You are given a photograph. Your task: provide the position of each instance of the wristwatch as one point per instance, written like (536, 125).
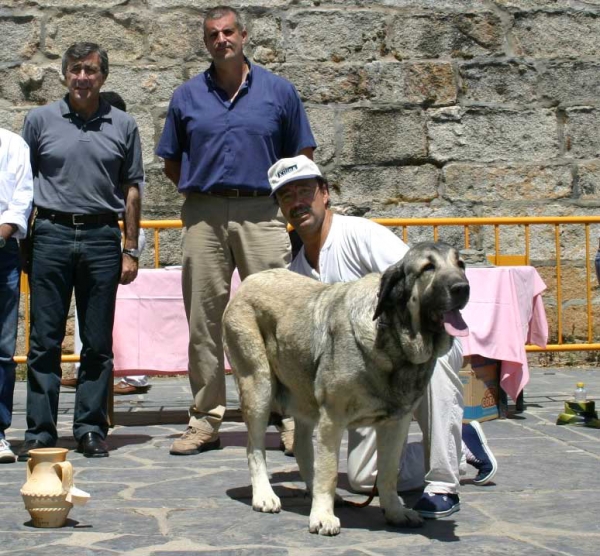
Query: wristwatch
(2, 242)
(133, 253)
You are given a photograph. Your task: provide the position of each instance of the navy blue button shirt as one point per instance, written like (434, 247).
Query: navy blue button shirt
(223, 144)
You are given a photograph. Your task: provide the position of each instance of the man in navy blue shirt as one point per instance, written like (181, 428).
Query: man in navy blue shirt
(224, 129)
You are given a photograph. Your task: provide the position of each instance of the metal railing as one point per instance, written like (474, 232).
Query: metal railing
(473, 230)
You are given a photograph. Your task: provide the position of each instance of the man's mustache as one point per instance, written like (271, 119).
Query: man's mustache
(299, 211)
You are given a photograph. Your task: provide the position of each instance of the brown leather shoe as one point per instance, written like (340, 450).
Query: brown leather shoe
(195, 441)
(125, 389)
(69, 382)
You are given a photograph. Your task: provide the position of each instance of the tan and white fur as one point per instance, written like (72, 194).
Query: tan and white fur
(338, 356)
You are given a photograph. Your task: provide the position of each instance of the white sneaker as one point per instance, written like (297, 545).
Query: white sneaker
(6, 454)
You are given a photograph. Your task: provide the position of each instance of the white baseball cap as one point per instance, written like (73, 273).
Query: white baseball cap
(291, 169)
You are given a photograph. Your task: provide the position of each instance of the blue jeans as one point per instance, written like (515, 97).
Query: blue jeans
(85, 259)
(10, 272)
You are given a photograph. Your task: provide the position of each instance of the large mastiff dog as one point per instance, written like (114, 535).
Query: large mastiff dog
(339, 356)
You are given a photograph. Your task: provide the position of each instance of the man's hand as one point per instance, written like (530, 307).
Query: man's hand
(129, 270)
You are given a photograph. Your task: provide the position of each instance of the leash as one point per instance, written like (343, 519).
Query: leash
(364, 504)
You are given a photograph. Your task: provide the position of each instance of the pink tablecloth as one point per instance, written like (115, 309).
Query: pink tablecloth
(150, 335)
(506, 311)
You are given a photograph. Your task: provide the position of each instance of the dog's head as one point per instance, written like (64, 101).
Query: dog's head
(425, 291)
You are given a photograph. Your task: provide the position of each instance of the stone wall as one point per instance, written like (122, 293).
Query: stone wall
(420, 107)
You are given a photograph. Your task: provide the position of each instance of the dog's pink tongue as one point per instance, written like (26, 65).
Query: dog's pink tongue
(455, 324)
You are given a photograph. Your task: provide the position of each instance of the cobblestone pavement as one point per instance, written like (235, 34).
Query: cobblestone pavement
(545, 498)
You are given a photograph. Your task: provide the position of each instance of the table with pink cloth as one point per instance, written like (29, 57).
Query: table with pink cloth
(505, 311)
(150, 335)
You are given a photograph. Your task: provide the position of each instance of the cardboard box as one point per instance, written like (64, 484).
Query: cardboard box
(480, 378)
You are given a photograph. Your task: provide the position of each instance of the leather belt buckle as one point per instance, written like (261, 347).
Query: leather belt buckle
(75, 218)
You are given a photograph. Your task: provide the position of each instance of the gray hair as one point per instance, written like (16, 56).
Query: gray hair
(220, 11)
(81, 50)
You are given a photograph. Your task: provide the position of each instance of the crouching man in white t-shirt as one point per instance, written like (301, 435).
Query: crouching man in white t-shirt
(340, 248)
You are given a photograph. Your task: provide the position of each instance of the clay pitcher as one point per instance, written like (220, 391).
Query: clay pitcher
(49, 493)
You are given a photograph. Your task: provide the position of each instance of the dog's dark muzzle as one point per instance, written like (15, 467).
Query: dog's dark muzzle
(459, 293)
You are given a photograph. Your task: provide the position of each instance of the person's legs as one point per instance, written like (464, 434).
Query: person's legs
(439, 415)
(259, 240)
(97, 274)
(9, 312)
(51, 285)
(478, 453)
(206, 279)
(258, 235)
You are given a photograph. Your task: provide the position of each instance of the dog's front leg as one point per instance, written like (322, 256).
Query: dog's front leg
(391, 437)
(329, 438)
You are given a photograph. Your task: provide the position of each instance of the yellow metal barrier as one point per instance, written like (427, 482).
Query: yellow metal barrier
(497, 257)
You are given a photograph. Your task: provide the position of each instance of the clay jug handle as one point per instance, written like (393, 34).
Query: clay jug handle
(65, 471)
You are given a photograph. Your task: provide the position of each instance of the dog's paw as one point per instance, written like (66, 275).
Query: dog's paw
(266, 503)
(403, 517)
(324, 524)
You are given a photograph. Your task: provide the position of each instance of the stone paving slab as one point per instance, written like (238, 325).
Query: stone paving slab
(545, 499)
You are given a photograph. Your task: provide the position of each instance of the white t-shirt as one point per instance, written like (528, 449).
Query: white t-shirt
(16, 182)
(354, 247)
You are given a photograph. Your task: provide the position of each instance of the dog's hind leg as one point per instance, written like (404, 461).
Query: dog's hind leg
(391, 437)
(304, 451)
(329, 437)
(247, 355)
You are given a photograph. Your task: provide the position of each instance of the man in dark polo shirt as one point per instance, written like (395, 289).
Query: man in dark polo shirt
(224, 129)
(87, 166)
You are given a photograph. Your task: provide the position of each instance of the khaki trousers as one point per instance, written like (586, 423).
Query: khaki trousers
(219, 234)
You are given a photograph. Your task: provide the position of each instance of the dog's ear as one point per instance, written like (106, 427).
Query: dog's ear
(391, 288)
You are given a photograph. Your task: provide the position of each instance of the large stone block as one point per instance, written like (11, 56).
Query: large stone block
(335, 36)
(122, 34)
(493, 183)
(161, 194)
(588, 174)
(531, 5)
(206, 4)
(571, 82)
(12, 119)
(482, 134)
(542, 236)
(382, 186)
(498, 82)
(556, 34)
(582, 132)
(145, 122)
(144, 85)
(445, 5)
(431, 83)
(323, 124)
(31, 84)
(324, 82)
(41, 84)
(72, 4)
(20, 37)
(176, 37)
(265, 40)
(376, 136)
(412, 234)
(456, 35)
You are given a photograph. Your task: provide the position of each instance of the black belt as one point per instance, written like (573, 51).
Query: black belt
(230, 192)
(72, 219)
